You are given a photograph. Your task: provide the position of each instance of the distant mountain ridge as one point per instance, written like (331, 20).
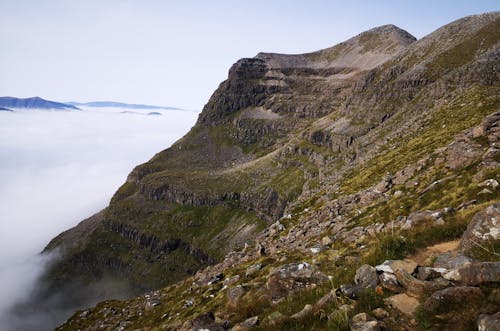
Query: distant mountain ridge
(103, 104)
(34, 102)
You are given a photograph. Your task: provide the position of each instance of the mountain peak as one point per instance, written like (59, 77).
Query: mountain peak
(33, 102)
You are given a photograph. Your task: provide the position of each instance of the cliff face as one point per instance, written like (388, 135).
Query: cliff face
(286, 135)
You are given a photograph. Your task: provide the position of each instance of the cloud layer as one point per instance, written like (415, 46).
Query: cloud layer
(57, 168)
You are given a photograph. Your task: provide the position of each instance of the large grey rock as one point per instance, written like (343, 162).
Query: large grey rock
(426, 273)
(489, 322)
(453, 298)
(419, 288)
(483, 230)
(451, 260)
(350, 291)
(293, 277)
(366, 276)
(475, 273)
(390, 266)
(390, 282)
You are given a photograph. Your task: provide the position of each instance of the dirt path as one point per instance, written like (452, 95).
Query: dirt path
(425, 253)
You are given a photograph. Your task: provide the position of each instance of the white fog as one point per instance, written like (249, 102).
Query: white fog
(59, 167)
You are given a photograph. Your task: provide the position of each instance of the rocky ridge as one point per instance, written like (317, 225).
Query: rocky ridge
(307, 172)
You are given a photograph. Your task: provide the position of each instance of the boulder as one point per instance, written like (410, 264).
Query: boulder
(390, 282)
(489, 322)
(483, 230)
(426, 273)
(351, 291)
(453, 298)
(403, 303)
(390, 266)
(475, 273)
(418, 288)
(451, 260)
(293, 277)
(460, 154)
(366, 276)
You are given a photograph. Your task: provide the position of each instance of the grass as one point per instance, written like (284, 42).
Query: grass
(464, 112)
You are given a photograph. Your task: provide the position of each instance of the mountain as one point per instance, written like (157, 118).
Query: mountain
(35, 102)
(103, 104)
(303, 173)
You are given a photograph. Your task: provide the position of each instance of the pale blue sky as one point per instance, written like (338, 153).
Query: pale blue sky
(175, 53)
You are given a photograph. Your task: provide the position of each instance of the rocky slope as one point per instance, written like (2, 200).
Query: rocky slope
(303, 172)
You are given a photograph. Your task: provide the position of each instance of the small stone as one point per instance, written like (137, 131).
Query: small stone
(489, 322)
(484, 191)
(315, 249)
(253, 269)
(326, 241)
(230, 281)
(364, 322)
(350, 291)
(234, 295)
(361, 317)
(250, 322)
(380, 313)
(489, 183)
(398, 193)
(478, 131)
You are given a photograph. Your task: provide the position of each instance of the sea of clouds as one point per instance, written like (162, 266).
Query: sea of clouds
(57, 168)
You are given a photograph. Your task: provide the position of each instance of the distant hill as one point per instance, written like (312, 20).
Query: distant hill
(5, 109)
(103, 104)
(35, 102)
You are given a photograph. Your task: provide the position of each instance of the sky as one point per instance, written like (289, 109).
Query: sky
(175, 53)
